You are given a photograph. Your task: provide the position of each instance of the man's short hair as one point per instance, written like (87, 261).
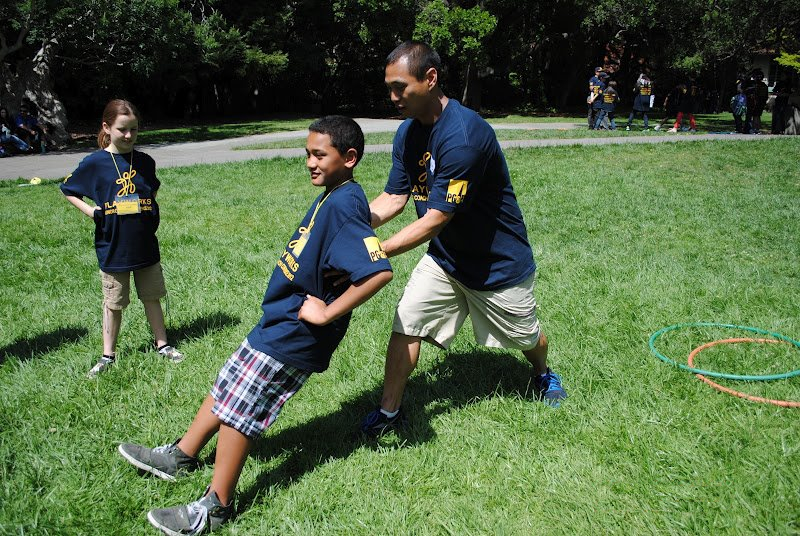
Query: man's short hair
(345, 133)
(421, 57)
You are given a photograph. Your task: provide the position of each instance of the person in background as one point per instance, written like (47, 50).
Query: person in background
(605, 119)
(29, 129)
(686, 106)
(642, 93)
(595, 86)
(7, 135)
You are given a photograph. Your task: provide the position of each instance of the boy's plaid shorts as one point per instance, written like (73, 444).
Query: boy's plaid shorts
(251, 389)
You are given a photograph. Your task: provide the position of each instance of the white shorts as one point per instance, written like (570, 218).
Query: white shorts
(434, 306)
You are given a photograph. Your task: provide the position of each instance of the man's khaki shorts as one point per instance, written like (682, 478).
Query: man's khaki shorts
(117, 286)
(435, 305)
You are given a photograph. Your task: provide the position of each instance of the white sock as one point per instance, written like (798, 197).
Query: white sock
(390, 414)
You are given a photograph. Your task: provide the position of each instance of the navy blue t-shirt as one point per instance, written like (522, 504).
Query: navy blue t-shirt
(456, 165)
(125, 236)
(340, 239)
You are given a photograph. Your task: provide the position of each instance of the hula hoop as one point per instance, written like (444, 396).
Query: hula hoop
(723, 375)
(693, 354)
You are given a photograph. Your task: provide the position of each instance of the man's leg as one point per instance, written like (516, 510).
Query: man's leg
(401, 360)
(537, 356)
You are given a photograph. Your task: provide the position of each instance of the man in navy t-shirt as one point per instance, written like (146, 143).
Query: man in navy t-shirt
(479, 262)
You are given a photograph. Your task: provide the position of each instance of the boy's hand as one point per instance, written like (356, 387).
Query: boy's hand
(313, 311)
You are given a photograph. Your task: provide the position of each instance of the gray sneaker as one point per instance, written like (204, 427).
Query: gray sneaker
(102, 365)
(203, 515)
(166, 461)
(171, 353)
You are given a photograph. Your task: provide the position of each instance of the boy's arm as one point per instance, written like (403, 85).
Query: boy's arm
(385, 207)
(83, 206)
(315, 311)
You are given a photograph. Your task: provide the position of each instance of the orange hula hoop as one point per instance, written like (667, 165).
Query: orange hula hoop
(693, 354)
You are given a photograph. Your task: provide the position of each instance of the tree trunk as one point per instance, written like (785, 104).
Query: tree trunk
(33, 82)
(471, 97)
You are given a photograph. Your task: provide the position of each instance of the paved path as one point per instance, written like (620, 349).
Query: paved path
(54, 165)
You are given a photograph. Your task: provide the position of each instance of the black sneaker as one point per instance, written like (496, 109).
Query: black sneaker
(166, 461)
(376, 423)
(203, 515)
(548, 388)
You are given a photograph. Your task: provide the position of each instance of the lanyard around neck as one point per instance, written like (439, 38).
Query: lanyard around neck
(306, 231)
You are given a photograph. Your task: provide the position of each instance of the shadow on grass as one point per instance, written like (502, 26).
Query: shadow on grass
(201, 327)
(38, 345)
(457, 381)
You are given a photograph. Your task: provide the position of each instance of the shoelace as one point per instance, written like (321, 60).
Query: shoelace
(163, 448)
(553, 382)
(201, 512)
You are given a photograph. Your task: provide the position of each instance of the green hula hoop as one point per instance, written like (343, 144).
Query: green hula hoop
(723, 375)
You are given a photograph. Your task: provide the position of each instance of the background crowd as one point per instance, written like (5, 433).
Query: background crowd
(22, 133)
(751, 98)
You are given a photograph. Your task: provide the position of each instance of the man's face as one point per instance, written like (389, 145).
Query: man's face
(410, 96)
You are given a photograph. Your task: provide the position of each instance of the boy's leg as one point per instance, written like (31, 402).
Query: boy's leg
(155, 316)
(644, 116)
(233, 447)
(112, 322)
(215, 507)
(202, 429)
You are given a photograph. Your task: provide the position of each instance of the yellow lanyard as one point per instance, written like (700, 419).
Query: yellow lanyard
(306, 231)
(125, 180)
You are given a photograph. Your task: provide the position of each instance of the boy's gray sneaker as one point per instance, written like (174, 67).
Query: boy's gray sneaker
(166, 461)
(203, 515)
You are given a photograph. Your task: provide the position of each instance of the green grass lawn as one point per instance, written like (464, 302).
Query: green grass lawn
(628, 239)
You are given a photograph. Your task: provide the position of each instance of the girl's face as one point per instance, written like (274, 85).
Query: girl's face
(3, 112)
(122, 132)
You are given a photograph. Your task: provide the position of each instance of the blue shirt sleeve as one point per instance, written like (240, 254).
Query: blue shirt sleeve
(357, 251)
(457, 175)
(80, 183)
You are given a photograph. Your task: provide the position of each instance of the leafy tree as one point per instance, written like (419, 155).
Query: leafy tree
(459, 35)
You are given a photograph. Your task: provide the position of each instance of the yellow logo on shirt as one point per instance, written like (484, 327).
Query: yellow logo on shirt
(456, 191)
(374, 248)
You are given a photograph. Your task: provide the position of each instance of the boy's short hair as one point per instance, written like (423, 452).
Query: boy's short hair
(421, 57)
(345, 133)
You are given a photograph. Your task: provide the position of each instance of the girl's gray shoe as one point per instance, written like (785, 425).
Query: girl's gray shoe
(203, 515)
(166, 461)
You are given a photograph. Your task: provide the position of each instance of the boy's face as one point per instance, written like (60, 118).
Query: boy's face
(328, 167)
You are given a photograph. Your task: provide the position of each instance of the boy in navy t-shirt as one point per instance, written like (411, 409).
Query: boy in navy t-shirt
(304, 318)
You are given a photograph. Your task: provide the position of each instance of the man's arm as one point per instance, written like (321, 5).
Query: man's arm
(419, 232)
(385, 207)
(315, 311)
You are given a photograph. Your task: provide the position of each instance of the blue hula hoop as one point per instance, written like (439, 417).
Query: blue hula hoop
(713, 374)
